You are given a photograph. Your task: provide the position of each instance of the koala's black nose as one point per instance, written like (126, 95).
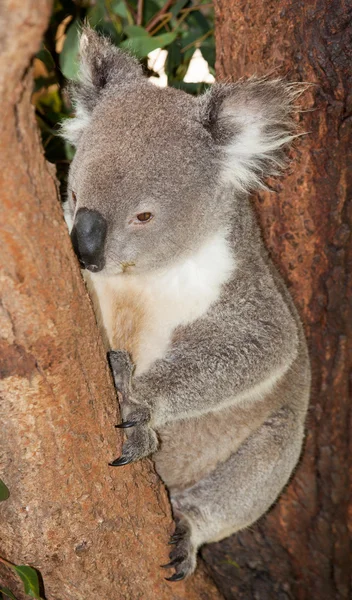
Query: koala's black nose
(88, 237)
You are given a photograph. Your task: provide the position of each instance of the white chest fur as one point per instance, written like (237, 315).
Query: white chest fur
(140, 312)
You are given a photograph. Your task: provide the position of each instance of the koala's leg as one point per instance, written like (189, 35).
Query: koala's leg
(238, 492)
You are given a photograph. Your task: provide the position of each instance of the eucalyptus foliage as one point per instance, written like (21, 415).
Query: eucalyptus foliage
(29, 577)
(4, 491)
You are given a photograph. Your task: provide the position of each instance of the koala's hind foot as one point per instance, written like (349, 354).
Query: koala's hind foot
(239, 490)
(184, 554)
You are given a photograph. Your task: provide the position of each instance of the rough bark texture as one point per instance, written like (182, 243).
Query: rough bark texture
(300, 550)
(92, 531)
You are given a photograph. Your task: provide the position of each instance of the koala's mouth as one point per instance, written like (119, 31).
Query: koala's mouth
(125, 266)
(92, 268)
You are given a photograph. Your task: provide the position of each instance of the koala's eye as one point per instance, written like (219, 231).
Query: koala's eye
(143, 217)
(74, 198)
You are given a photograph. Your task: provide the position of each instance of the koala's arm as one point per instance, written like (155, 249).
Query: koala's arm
(219, 358)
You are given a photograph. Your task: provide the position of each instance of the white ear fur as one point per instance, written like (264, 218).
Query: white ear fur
(83, 41)
(252, 123)
(72, 129)
(253, 153)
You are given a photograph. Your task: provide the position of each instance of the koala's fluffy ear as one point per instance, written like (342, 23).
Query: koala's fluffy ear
(101, 65)
(251, 121)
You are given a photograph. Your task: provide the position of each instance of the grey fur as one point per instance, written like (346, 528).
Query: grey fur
(223, 410)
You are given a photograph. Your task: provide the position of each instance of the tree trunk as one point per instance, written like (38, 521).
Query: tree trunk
(300, 550)
(92, 531)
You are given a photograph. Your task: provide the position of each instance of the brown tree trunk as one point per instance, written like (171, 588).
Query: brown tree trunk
(92, 531)
(300, 550)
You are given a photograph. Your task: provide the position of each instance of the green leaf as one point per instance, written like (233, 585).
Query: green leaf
(187, 55)
(4, 491)
(150, 9)
(159, 3)
(165, 39)
(7, 592)
(207, 49)
(142, 45)
(98, 18)
(44, 82)
(196, 19)
(51, 102)
(190, 88)
(136, 31)
(69, 53)
(45, 56)
(30, 580)
(174, 57)
(119, 8)
(178, 6)
(190, 37)
(96, 14)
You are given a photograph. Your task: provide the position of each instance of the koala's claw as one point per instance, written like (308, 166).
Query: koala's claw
(134, 414)
(172, 563)
(176, 576)
(183, 556)
(120, 462)
(176, 537)
(141, 442)
(126, 424)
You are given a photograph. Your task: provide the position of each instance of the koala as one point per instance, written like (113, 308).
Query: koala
(205, 345)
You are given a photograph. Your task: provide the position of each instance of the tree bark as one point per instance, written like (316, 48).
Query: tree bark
(300, 550)
(92, 531)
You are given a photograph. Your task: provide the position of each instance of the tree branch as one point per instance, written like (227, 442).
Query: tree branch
(159, 15)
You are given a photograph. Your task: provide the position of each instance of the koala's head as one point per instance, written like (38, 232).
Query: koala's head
(156, 170)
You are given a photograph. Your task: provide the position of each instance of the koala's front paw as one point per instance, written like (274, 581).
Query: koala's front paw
(142, 441)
